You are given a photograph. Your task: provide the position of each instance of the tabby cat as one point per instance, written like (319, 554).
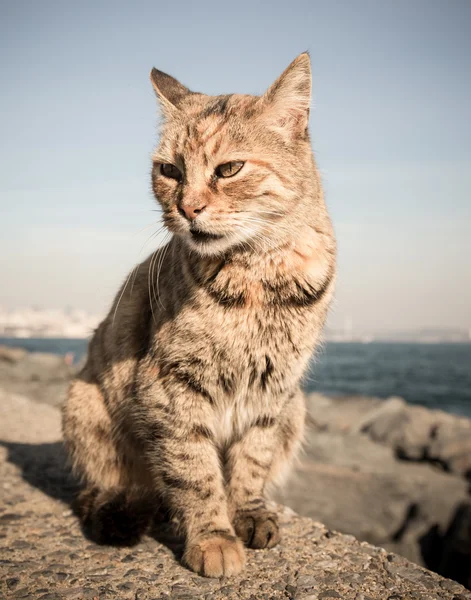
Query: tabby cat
(190, 395)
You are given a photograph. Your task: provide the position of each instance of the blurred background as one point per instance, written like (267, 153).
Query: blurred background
(391, 132)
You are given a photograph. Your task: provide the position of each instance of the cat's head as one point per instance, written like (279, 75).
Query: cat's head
(234, 170)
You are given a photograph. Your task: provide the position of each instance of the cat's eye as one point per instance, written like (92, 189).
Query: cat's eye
(171, 171)
(229, 169)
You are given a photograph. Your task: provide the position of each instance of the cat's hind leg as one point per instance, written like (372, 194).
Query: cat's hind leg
(114, 517)
(114, 507)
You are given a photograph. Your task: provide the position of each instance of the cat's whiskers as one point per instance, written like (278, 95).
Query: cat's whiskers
(280, 228)
(134, 269)
(269, 213)
(153, 235)
(143, 229)
(248, 241)
(264, 242)
(133, 273)
(150, 277)
(156, 261)
(159, 269)
(261, 213)
(251, 237)
(266, 245)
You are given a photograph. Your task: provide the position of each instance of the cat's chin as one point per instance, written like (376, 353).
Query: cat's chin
(208, 245)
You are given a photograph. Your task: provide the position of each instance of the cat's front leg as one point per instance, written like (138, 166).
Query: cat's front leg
(182, 455)
(255, 460)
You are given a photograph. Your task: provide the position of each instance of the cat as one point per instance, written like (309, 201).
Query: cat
(191, 391)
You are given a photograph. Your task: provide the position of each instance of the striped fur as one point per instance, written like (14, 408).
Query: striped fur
(190, 395)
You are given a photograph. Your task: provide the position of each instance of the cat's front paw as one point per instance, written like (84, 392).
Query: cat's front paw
(218, 555)
(257, 528)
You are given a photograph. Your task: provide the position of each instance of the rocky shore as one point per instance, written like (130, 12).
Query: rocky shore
(40, 376)
(395, 475)
(391, 474)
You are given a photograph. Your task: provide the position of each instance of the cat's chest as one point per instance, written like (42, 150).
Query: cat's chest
(243, 335)
(240, 351)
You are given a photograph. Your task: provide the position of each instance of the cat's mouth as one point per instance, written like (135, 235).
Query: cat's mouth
(203, 236)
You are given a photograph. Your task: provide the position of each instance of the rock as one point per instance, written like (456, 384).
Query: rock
(407, 431)
(12, 355)
(22, 419)
(403, 505)
(311, 561)
(41, 376)
(414, 432)
(382, 500)
(451, 445)
(12, 582)
(382, 455)
(455, 558)
(339, 414)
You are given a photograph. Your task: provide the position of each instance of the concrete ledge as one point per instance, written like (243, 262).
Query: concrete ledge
(45, 556)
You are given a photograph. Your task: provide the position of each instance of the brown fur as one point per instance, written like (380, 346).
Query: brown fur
(190, 393)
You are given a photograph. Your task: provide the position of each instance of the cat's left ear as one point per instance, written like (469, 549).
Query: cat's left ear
(286, 102)
(170, 92)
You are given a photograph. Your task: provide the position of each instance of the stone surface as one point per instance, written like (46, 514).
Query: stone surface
(397, 468)
(42, 376)
(413, 432)
(359, 487)
(44, 555)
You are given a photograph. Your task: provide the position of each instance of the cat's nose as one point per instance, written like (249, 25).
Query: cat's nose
(192, 211)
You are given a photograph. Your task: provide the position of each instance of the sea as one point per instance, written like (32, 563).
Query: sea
(432, 375)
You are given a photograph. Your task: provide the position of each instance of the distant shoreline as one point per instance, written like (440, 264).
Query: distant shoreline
(436, 375)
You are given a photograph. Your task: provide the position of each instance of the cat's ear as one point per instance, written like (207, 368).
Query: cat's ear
(170, 92)
(286, 102)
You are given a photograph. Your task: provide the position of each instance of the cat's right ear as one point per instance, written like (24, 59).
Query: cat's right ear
(170, 92)
(286, 103)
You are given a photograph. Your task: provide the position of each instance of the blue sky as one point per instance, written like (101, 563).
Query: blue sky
(391, 131)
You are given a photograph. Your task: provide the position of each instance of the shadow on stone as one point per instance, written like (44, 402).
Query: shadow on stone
(165, 531)
(44, 466)
(449, 553)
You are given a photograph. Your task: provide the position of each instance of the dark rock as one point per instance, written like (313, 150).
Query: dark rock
(12, 583)
(7, 517)
(279, 587)
(306, 583)
(180, 588)
(23, 593)
(128, 558)
(228, 590)
(21, 544)
(131, 573)
(455, 561)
